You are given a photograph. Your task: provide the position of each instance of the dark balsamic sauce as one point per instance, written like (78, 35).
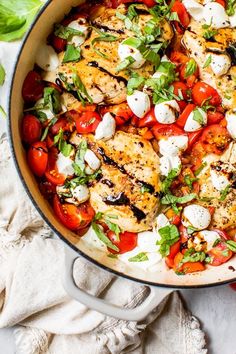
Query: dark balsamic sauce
(95, 64)
(107, 182)
(107, 29)
(120, 199)
(138, 213)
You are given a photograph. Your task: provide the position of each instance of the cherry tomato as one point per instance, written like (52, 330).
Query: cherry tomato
(165, 130)
(223, 235)
(214, 117)
(190, 79)
(221, 2)
(121, 112)
(61, 123)
(38, 158)
(47, 189)
(149, 120)
(178, 58)
(185, 114)
(72, 216)
(233, 286)
(182, 13)
(188, 267)
(173, 218)
(174, 249)
(220, 254)
(193, 138)
(183, 233)
(87, 122)
(203, 92)
(181, 88)
(127, 241)
(31, 129)
(32, 89)
(59, 44)
(49, 141)
(215, 139)
(51, 172)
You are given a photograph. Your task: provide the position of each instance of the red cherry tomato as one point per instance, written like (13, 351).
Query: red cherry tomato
(127, 241)
(183, 233)
(51, 172)
(233, 286)
(72, 216)
(149, 120)
(215, 139)
(181, 88)
(31, 129)
(223, 235)
(61, 123)
(121, 112)
(38, 158)
(221, 2)
(87, 122)
(165, 130)
(182, 13)
(220, 254)
(184, 115)
(174, 249)
(32, 89)
(178, 58)
(59, 44)
(47, 189)
(194, 137)
(214, 117)
(203, 92)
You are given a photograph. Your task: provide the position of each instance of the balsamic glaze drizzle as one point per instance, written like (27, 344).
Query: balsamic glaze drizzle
(95, 64)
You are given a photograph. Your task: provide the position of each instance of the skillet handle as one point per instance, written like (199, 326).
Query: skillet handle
(138, 313)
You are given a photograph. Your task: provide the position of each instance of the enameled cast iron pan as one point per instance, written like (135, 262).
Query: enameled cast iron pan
(160, 283)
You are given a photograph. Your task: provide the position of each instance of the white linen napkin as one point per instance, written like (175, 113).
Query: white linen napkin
(33, 298)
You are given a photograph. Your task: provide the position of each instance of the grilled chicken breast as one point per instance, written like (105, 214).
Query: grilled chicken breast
(222, 44)
(98, 71)
(130, 181)
(224, 215)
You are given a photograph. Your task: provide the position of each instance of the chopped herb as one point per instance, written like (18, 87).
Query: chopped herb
(209, 32)
(80, 88)
(111, 225)
(63, 146)
(102, 237)
(144, 189)
(217, 241)
(207, 62)
(189, 181)
(225, 253)
(51, 98)
(224, 193)
(79, 157)
(169, 235)
(179, 273)
(174, 17)
(208, 259)
(42, 117)
(141, 257)
(198, 116)
(165, 186)
(191, 230)
(66, 32)
(192, 256)
(230, 7)
(134, 83)
(111, 255)
(2, 75)
(199, 170)
(191, 67)
(71, 54)
(173, 200)
(133, 42)
(105, 37)
(125, 63)
(231, 245)
(81, 178)
(45, 132)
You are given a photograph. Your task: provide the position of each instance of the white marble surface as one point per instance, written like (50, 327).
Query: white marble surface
(214, 307)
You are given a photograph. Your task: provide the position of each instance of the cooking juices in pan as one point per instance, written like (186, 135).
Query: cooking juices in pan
(132, 148)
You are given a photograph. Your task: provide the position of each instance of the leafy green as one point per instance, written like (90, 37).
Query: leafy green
(192, 256)
(198, 117)
(125, 63)
(141, 257)
(2, 112)
(51, 98)
(191, 230)
(144, 189)
(2, 75)
(169, 235)
(189, 181)
(45, 132)
(79, 156)
(224, 193)
(102, 237)
(208, 31)
(80, 89)
(191, 67)
(230, 7)
(231, 245)
(66, 32)
(199, 170)
(71, 54)
(207, 62)
(63, 146)
(172, 199)
(81, 178)
(15, 17)
(105, 37)
(41, 116)
(135, 82)
(111, 225)
(165, 185)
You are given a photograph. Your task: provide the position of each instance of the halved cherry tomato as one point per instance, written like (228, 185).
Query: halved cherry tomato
(233, 286)
(121, 112)
(184, 115)
(220, 254)
(72, 216)
(38, 158)
(193, 138)
(51, 172)
(178, 57)
(215, 139)
(49, 141)
(173, 217)
(59, 44)
(188, 267)
(87, 122)
(61, 123)
(147, 135)
(182, 13)
(214, 117)
(181, 88)
(190, 79)
(149, 120)
(221, 2)
(165, 130)
(174, 249)
(203, 92)
(31, 129)
(47, 189)
(127, 241)
(223, 234)
(32, 89)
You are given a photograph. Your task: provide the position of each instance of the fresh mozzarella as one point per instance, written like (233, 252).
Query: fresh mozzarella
(220, 64)
(153, 258)
(232, 20)
(106, 128)
(168, 163)
(139, 103)
(78, 25)
(219, 181)
(46, 111)
(92, 160)
(194, 8)
(64, 165)
(192, 125)
(161, 221)
(147, 241)
(92, 240)
(173, 145)
(80, 193)
(210, 237)
(158, 74)
(125, 51)
(47, 58)
(214, 15)
(166, 112)
(196, 216)
(231, 123)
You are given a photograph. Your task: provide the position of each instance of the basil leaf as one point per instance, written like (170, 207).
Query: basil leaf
(71, 54)
(151, 56)
(172, 199)
(189, 181)
(133, 42)
(102, 237)
(192, 256)
(125, 63)
(51, 98)
(224, 193)
(15, 17)
(63, 146)
(141, 257)
(145, 189)
(165, 185)
(198, 117)
(80, 88)
(209, 32)
(113, 227)
(2, 75)
(207, 62)
(231, 245)
(191, 67)
(66, 32)
(80, 153)
(199, 170)
(230, 7)
(134, 83)
(81, 178)
(45, 133)
(191, 230)
(105, 37)
(42, 117)
(169, 235)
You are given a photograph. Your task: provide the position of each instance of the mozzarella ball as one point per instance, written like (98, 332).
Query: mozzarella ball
(194, 9)
(173, 145)
(166, 112)
(139, 103)
(196, 216)
(64, 165)
(161, 221)
(210, 237)
(46, 111)
(220, 64)
(231, 123)
(168, 163)
(80, 193)
(232, 20)
(192, 125)
(125, 51)
(214, 15)
(78, 25)
(106, 128)
(92, 160)
(147, 241)
(47, 59)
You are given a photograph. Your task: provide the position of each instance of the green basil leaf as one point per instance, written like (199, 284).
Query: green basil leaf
(80, 153)
(230, 7)
(134, 83)
(189, 181)
(199, 170)
(52, 99)
(125, 63)
(169, 235)
(2, 75)
(172, 199)
(41, 116)
(191, 67)
(224, 193)
(80, 88)
(113, 227)
(102, 237)
(141, 257)
(63, 146)
(66, 32)
(191, 230)
(192, 256)
(207, 62)
(231, 245)
(133, 42)
(165, 185)
(198, 117)
(105, 37)
(71, 54)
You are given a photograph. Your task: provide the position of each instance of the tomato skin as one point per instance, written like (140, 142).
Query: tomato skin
(121, 112)
(183, 233)
(219, 254)
(174, 249)
(127, 242)
(32, 89)
(149, 120)
(221, 2)
(61, 123)
(215, 139)
(51, 173)
(72, 216)
(87, 122)
(188, 267)
(178, 58)
(37, 157)
(182, 87)
(193, 138)
(31, 129)
(165, 130)
(47, 189)
(184, 115)
(223, 235)
(233, 286)
(202, 92)
(182, 13)
(214, 117)
(59, 44)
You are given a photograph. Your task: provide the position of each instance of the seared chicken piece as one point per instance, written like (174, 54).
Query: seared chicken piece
(98, 72)
(222, 50)
(224, 215)
(130, 182)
